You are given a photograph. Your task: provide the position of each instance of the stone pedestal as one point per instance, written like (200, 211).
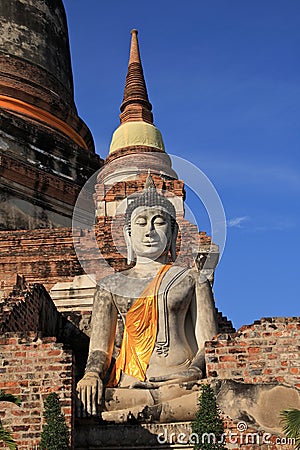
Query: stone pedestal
(251, 415)
(93, 436)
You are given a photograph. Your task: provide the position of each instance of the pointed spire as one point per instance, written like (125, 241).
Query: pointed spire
(135, 105)
(134, 56)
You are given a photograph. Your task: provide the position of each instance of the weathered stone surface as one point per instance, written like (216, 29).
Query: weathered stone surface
(173, 321)
(90, 434)
(35, 60)
(170, 403)
(259, 405)
(37, 32)
(41, 174)
(46, 151)
(77, 295)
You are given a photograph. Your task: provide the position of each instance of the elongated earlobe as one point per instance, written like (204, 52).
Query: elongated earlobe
(173, 242)
(130, 252)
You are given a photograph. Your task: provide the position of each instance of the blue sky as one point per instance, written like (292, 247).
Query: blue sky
(224, 81)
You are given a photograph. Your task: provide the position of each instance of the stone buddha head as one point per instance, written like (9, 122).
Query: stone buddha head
(150, 225)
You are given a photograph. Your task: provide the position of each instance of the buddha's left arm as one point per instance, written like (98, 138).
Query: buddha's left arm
(203, 313)
(204, 318)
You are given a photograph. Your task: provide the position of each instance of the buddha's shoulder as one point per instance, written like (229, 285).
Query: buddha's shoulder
(109, 281)
(115, 282)
(120, 282)
(182, 274)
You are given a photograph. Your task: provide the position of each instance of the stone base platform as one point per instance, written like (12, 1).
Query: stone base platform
(95, 436)
(246, 408)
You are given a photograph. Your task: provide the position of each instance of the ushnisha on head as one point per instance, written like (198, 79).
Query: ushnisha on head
(150, 225)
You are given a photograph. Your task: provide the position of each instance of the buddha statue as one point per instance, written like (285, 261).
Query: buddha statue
(165, 314)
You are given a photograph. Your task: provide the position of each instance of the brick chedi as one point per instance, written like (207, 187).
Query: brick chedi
(46, 151)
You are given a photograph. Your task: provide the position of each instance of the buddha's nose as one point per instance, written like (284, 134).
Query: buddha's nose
(150, 229)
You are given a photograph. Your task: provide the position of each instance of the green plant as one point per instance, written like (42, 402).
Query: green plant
(208, 425)
(6, 397)
(5, 436)
(55, 434)
(290, 419)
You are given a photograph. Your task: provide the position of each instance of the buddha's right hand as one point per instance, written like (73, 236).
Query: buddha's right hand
(89, 392)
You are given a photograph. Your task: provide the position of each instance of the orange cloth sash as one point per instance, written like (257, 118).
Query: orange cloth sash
(139, 333)
(36, 113)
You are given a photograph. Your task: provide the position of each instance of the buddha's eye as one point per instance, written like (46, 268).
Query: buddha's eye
(141, 222)
(159, 221)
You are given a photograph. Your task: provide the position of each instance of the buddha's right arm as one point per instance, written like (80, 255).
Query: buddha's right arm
(103, 330)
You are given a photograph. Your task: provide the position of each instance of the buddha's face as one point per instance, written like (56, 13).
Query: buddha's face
(151, 231)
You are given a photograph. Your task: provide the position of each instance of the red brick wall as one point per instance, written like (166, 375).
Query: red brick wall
(124, 189)
(265, 352)
(15, 171)
(19, 312)
(32, 368)
(29, 309)
(43, 256)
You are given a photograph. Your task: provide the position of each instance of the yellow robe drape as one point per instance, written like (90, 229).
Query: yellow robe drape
(140, 332)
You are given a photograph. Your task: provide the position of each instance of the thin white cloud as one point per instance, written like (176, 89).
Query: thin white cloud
(237, 221)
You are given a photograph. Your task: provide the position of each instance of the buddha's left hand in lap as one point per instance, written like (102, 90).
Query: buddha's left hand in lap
(191, 374)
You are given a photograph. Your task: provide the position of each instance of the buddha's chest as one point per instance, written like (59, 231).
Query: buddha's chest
(175, 299)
